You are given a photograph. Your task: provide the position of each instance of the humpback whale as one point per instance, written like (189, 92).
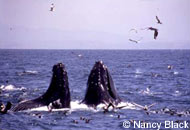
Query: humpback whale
(57, 95)
(100, 87)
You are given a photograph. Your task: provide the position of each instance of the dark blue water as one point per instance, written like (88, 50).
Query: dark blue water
(133, 71)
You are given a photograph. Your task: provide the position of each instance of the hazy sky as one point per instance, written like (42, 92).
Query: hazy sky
(94, 24)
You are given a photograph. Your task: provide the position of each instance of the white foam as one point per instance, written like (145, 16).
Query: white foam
(138, 71)
(147, 91)
(80, 55)
(10, 87)
(175, 72)
(177, 93)
(31, 71)
(76, 105)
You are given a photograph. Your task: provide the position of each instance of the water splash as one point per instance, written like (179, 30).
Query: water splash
(138, 71)
(176, 73)
(11, 87)
(77, 105)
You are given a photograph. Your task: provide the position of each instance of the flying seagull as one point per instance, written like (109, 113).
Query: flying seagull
(135, 30)
(155, 31)
(158, 20)
(52, 7)
(136, 41)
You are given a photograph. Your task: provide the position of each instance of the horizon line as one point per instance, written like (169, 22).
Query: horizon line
(87, 49)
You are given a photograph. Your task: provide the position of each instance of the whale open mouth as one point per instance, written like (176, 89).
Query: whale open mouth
(58, 94)
(100, 87)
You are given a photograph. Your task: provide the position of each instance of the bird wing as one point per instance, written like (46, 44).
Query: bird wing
(158, 20)
(138, 105)
(155, 33)
(133, 40)
(151, 105)
(133, 30)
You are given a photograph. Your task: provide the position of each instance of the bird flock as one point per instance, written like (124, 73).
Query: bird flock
(155, 30)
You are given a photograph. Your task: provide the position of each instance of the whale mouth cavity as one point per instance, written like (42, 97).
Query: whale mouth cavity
(100, 87)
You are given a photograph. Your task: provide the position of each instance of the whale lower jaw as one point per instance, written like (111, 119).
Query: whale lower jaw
(29, 105)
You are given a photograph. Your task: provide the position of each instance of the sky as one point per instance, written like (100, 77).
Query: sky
(94, 24)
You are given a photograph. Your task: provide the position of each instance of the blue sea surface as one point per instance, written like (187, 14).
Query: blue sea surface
(140, 76)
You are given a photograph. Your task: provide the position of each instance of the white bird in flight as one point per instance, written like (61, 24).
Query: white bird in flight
(52, 7)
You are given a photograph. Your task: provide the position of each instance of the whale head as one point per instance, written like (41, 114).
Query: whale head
(100, 87)
(58, 94)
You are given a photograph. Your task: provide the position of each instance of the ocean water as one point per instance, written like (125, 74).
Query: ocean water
(140, 76)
